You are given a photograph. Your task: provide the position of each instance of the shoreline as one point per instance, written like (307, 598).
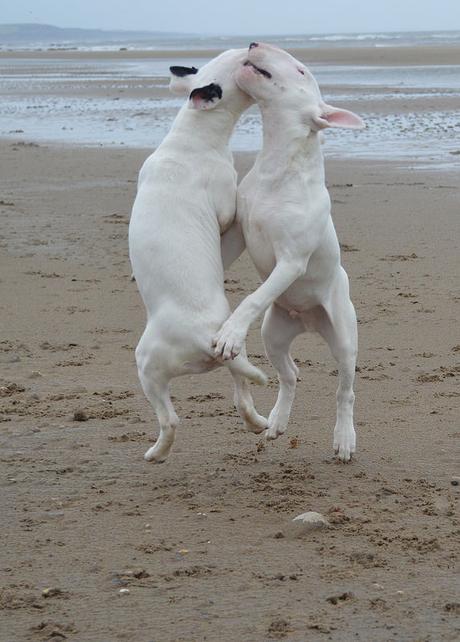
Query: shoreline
(121, 99)
(368, 56)
(447, 167)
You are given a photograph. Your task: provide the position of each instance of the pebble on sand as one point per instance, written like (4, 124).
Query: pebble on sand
(306, 523)
(52, 592)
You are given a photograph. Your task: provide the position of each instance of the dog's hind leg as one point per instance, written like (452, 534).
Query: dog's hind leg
(278, 332)
(244, 402)
(154, 374)
(338, 326)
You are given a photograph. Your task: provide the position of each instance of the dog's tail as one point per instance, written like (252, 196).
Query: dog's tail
(241, 366)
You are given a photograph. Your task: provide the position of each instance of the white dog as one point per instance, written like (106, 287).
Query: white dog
(284, 211)
(186, 199)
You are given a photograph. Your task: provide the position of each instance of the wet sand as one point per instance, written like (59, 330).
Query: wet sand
(122, 99)
(428, 55)
(202, 542)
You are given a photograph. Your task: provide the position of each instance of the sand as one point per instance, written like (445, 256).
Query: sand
(100, 546)
(202, 546)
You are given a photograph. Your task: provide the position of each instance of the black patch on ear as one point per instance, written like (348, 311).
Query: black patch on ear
(182, 71)
(208, 92)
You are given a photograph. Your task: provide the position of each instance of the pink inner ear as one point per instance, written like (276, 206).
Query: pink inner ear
(342, 118)
(198, 103)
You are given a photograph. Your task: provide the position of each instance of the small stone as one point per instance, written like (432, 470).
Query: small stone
(52, 592)
(80, 415)
(306, 523)
(53, 513)
(124, 591)
(35, 374)
(455, 481)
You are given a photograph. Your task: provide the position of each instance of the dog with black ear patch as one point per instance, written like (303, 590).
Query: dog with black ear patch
(182, 71)
(186, 200)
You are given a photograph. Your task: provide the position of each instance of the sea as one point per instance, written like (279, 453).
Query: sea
(411, 111)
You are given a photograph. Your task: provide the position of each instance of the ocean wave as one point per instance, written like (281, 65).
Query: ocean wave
(359, 36)
(451, 35)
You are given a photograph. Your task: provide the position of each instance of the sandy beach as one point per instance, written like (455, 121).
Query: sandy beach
(203, 542)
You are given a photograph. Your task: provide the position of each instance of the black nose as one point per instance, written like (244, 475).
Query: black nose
(253, 44)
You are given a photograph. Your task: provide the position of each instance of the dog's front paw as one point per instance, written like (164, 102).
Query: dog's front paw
(229, 341)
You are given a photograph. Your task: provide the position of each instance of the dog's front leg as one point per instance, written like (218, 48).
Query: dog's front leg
(232, 335)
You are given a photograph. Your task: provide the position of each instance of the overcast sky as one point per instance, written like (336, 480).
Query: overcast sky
(240, 16)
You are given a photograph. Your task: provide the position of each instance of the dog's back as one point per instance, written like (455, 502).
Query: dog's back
(174, 238)
(186, 198)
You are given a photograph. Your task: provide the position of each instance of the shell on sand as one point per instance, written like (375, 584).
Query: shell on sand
(312, 518)
(306, 523)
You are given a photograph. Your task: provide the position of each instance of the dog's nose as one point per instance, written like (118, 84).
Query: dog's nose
(253, 44)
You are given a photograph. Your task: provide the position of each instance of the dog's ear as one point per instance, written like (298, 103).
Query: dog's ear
(334, 117)
(181, 79)
(206, 97)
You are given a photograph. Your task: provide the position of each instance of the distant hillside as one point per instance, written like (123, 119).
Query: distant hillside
(17, 34)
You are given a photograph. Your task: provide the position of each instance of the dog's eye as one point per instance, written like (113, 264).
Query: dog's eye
(301, 72)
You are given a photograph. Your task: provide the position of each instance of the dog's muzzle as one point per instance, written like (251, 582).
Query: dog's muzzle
(262, 72)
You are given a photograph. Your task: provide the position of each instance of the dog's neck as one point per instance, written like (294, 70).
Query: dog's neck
(289, 146)
(212, 127)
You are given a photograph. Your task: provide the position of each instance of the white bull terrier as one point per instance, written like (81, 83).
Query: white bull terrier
(186, 199)
(284, 212)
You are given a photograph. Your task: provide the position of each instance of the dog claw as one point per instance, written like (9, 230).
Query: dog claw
(344, 453)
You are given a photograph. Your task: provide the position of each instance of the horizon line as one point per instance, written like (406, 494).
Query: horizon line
(233, 34)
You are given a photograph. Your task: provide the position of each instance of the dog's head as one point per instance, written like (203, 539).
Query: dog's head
(213, 86)
(276, 79)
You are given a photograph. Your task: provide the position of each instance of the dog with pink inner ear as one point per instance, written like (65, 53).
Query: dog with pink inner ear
(284, 214)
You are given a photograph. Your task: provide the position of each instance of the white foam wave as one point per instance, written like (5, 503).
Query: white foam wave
(359, 36)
